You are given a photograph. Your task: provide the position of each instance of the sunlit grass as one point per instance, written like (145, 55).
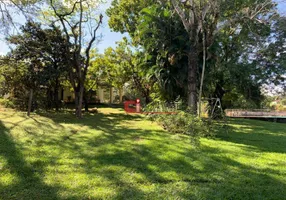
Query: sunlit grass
(112, 155)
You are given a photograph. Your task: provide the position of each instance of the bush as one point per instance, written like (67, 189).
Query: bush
(7, 103)
(185, 123)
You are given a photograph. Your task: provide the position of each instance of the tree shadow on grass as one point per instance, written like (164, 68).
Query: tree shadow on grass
(265, 136)
(216, 177)
(27, 181)
(99, 121)
(139, 163)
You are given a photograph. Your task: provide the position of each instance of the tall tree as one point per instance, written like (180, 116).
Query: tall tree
(165, 43)
(208, 18)
(121, 65)
(12, 75)
(242, 61)
(240, 26)
(45, 47)
(77, 19)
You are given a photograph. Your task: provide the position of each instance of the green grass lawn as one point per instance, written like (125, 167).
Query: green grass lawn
(112, 155)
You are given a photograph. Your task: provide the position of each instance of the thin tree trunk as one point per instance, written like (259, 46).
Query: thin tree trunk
(30, 102)
(111, 95)
(56, 95)
(85, 104)
(86, 97)
(120, 95)
(76, 99)
(203, 73)
(49, 99)
(192, 81)
(147, 100)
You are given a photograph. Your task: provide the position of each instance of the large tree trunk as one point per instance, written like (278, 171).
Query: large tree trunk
(192, 80)
(30, 102)
(79, 100)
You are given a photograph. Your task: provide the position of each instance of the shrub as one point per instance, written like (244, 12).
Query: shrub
(7, 103)
(175, 118)
(185, 123)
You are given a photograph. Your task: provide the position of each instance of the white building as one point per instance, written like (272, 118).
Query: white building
(102, 94)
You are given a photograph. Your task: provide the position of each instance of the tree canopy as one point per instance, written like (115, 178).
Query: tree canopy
(171, 35)
(191, 50)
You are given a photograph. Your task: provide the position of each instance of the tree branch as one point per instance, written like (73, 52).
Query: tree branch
(87, 51)
(182, 14)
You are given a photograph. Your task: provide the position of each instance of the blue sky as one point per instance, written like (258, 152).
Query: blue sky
(110, 38)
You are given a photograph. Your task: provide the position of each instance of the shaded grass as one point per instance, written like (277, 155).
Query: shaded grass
(112, 155)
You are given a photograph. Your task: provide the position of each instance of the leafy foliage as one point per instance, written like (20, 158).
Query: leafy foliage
(174, 118)
(165, 43)
(42, 52)
(234, 41)
(7, 103)
(76, 19)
